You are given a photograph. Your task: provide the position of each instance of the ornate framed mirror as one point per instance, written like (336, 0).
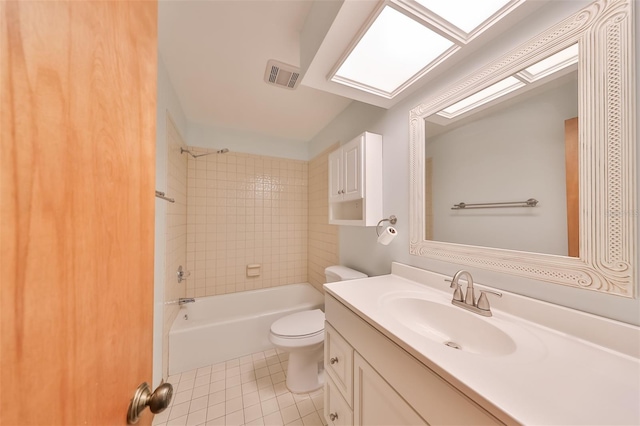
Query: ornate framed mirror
(606, 258)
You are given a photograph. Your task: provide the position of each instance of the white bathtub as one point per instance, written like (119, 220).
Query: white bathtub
(219, 328)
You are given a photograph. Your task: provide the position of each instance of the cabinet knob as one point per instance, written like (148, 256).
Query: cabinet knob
(333, 417)
(333, 360)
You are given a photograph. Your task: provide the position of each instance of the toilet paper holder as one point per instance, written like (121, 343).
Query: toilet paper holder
(392, 220)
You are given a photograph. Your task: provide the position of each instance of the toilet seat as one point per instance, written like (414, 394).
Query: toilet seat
(301, 325)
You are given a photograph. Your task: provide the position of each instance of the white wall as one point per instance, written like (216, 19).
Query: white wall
(167, 102)
(358, 248)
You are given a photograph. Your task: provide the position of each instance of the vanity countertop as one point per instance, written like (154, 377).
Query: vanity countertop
(551, 377)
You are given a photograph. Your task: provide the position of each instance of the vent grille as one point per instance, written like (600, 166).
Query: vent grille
(282, 75)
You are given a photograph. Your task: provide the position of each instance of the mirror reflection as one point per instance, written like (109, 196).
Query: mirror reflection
(514, 141)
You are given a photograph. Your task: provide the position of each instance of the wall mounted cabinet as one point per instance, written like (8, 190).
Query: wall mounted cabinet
(355, 182)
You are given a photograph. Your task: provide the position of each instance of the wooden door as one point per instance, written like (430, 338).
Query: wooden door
(78, 97)
(572, 178)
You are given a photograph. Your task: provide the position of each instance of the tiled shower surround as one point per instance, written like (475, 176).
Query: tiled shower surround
(323, 238)
(245, 209)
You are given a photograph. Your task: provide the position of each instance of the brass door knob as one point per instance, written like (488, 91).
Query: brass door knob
(157, 401)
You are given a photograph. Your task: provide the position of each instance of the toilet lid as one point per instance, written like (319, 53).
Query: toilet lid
(300, 324)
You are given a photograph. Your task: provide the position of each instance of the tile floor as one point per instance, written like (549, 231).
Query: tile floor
(245, 391)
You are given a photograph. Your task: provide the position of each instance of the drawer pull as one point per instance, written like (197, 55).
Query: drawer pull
(333, 417)
(333, 360)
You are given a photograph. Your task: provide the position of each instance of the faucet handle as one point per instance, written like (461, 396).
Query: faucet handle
(483, 301)
(457, 292)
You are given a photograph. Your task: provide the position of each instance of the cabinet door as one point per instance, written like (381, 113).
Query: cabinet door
(353, 188)
(376, 402)
(335, 175)
(336, 410)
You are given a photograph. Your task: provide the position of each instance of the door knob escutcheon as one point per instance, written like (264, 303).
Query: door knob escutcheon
(157, 401)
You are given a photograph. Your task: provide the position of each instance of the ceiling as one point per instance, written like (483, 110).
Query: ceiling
(216, 54)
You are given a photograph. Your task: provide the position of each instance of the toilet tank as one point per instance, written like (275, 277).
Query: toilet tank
(341, 273)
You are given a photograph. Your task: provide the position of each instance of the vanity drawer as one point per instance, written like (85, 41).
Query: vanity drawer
(338, 362)
(336, 410)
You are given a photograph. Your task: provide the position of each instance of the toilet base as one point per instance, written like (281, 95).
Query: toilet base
(305, 372)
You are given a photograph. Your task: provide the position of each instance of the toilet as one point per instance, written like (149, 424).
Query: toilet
(302, 336)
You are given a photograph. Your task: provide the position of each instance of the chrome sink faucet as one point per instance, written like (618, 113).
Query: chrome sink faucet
(468, 301)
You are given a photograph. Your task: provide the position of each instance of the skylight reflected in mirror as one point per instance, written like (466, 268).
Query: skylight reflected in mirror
(492, 92)
(392, 51)
(553, 63)
(464, 14)
(550, 66)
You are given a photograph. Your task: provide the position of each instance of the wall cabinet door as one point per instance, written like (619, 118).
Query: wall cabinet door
(376, 402)
(345, 172)
(335, 175)
(355, 182)
(353, 172)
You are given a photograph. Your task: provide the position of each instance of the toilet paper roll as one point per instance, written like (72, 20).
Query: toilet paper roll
(387, 235)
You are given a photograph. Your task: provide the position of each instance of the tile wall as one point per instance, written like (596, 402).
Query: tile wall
(176, 233)
(245, 209)
(323, 238)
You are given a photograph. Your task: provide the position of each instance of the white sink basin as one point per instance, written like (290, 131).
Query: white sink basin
(449, 325)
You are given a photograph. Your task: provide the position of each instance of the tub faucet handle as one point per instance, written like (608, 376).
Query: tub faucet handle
(182, 274)
(184, 300)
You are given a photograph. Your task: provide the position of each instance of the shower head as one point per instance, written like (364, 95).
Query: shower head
(220, 151)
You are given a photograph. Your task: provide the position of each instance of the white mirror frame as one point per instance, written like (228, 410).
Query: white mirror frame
(607, 109)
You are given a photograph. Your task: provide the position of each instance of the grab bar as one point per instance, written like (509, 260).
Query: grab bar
(160, 194)
(531, 202)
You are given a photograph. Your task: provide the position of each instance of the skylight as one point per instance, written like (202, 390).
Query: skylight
(464, 14)
(552, 64)
(492, 92)
(393, 50)
(409, 38)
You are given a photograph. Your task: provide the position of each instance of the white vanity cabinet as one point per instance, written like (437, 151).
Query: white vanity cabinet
(376, 401)
(373, 381)
(355, 182)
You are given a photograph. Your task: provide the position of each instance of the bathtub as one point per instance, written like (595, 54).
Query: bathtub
(219, 328)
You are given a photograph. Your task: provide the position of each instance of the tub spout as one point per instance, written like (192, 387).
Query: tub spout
(183, 300)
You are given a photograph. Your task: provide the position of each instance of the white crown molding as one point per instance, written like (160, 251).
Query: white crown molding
(608, 254)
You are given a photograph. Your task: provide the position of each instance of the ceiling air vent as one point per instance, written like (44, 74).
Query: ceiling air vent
(282, 75)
